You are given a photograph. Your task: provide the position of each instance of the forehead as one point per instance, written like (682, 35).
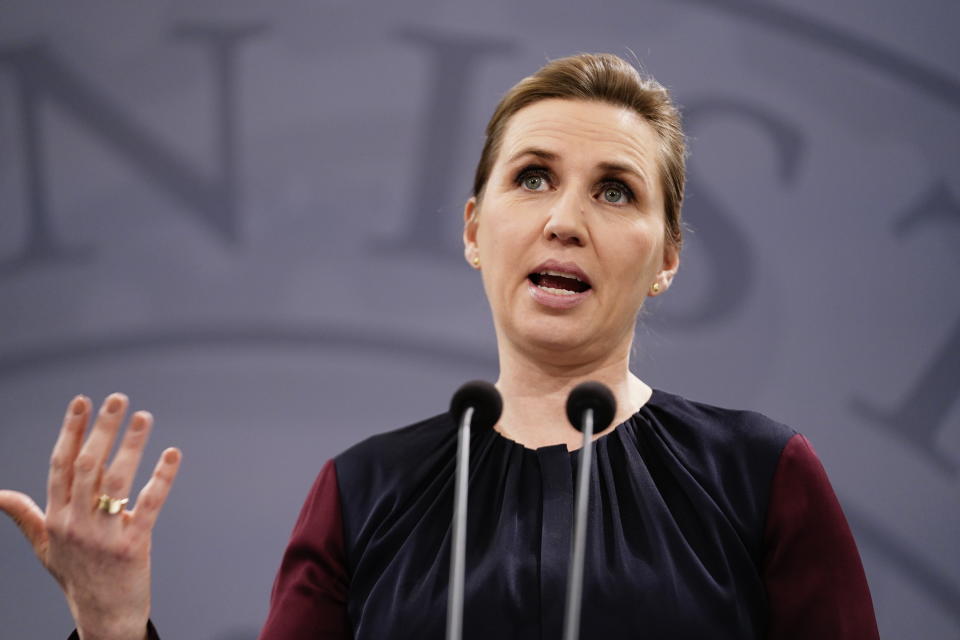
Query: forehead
(591, 132)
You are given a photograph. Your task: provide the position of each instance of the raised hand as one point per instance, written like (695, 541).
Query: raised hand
(101, 559)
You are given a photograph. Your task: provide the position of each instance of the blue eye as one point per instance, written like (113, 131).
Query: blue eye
(613, 195)
(533, 178)
(533, 182)
(616, 193)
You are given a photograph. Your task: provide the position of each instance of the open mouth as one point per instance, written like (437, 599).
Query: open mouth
(557, 283)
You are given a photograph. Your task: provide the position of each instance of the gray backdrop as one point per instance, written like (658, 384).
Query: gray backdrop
(246, 215)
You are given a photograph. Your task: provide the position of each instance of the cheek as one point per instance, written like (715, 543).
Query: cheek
(503, 240)
(498, 255)
(638, 258)
(629, 248)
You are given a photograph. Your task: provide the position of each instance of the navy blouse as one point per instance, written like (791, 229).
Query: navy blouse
(703, 522)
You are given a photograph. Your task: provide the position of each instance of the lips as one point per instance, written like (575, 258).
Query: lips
(561, 277)
(559, 284)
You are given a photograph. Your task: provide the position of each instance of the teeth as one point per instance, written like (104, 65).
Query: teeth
(560, 274)
(561, 292)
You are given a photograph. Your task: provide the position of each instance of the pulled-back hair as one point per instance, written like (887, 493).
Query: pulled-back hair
(606, 78)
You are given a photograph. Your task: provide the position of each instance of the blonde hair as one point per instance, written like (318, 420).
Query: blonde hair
(606, 78)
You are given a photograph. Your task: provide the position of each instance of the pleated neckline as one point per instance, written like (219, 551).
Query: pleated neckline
(625, 429)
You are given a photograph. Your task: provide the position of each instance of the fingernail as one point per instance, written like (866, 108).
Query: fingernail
(140, 420)
(114, 402)
(77, 406)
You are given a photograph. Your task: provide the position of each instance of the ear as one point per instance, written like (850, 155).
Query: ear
(671, 263)
(470, 223)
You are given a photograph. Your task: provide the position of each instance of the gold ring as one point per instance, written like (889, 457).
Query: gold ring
(109, 505)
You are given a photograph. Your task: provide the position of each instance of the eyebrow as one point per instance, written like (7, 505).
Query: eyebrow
(543, 154)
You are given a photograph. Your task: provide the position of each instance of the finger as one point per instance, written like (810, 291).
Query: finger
(155, 492)
(119, 477)
(89, 463)
(27, 516)
(65, 452)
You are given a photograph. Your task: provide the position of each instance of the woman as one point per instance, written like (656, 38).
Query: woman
(704, 522)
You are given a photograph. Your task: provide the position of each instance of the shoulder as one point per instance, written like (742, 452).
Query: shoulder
(379, 478)
(730, 454)
(702, 426)
(399, 447)
(393, 463)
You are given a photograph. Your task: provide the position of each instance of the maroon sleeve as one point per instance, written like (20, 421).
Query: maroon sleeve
(811, 568)
(309, 598)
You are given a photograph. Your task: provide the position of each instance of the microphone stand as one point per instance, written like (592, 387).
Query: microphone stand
(458, 552)
(571, 621)
(590, 405)
(479, 402)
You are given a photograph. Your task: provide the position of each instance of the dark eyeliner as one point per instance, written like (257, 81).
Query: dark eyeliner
(531, 169)
(619, 184)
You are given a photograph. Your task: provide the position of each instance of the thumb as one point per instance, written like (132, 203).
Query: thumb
(27, 516)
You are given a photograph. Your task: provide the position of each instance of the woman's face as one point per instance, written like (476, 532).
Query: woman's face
(570, 232)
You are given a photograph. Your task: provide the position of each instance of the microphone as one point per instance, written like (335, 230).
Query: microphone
(479, 403)
(482, 397)
(590, 406)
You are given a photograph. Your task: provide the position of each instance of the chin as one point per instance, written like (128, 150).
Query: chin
(556, 335)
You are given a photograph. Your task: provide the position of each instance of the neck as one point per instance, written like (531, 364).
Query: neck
(535, 395)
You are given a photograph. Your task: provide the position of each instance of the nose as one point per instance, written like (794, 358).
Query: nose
(566, 223)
